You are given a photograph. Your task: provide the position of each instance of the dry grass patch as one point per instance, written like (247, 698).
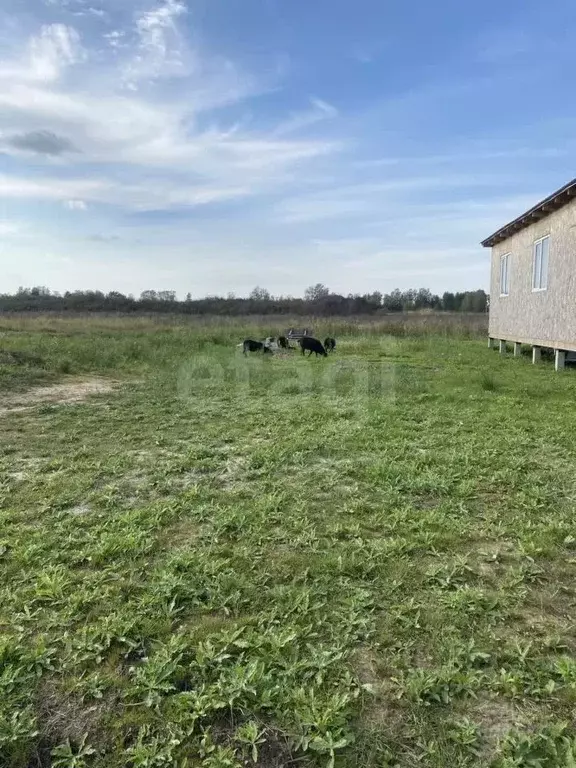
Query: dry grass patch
(181, 535)
(62, 715)
(65, 393)
(495, 718)
(548, 611)
(79, 509)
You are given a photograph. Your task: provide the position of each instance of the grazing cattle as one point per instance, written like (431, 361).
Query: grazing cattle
(283, 343)
(250, 345)
(312, 345)
(268, 346)
(329, 344)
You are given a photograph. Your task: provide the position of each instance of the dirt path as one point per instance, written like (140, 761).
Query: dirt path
(64, 393)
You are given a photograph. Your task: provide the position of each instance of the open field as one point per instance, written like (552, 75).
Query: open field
(207, 560)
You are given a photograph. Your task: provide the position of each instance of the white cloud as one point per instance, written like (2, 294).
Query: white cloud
(472, 154)
(319, 110)
(44, 57)
(76, 205)
(56, 46)
(75, 194)
(98, 13)
(148, 135)
(161, 49)
(194, 128)
(8, 228)
(374, 199)
(328, 109)
(17, 188)
(158, 148)
(115, 38)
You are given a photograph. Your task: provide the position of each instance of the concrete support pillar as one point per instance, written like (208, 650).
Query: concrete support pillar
(502, 347)
(536, 354)
(490, 342)
(559, 359)
(517, 349)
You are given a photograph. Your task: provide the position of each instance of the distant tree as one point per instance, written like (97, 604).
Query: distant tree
(394, 301)
(319, 300)
(423, 299)
(39, 290)
(436, 302)
(260, 294)
(474, 301)
(409, 299)
(331, 304)
(316, 292)
(483, 300)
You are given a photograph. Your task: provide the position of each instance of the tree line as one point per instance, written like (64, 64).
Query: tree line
(317, 300)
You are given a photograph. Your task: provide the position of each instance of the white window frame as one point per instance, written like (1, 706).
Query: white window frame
(538, 284)
(505, 274)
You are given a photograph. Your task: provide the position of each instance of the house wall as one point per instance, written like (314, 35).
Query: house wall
(544, 318)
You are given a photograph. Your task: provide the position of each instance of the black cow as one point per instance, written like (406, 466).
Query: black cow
(250, 345)
(283, 343)
(312, 345)
(329, 344)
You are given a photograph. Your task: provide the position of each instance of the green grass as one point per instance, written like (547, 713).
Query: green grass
(360, 561)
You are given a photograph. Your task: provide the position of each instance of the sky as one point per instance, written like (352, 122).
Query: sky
(209, 146)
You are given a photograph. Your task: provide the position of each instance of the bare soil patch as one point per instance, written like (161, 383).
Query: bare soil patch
(64, 393)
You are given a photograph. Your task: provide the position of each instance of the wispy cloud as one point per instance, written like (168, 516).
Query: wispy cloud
(252, 146)
(76, 205)
(56, 47)
(77, 192)
(100, 238)
(106, 125)
(8, 228)
(160, 50)
(98, 13)
(472, 154)
(318, 111)
(115, 39)
(13, 187)
(367, 199)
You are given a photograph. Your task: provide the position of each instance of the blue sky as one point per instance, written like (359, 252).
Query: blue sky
(212, 145)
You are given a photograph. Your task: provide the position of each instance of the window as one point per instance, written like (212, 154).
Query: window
(540, 267)
(504, 274)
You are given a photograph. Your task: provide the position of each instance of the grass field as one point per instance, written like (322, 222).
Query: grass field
(213, 561)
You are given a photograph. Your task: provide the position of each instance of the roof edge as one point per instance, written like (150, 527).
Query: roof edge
(553, 202)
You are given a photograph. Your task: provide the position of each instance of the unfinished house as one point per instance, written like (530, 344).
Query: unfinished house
(533, 279)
